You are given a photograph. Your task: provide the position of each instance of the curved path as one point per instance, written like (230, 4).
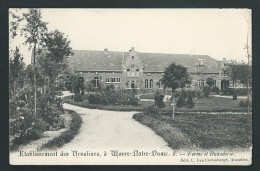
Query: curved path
(113, 130)
(104, 131)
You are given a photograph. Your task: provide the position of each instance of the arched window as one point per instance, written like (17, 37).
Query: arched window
(81, 81)
(151, 83)
(96, 82)
(132, 71)
(137, 73)
(146, 83)
(128, 73)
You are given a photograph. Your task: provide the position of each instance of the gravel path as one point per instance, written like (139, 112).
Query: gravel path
(113, 130)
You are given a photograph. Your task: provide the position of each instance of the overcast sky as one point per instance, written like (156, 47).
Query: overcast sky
(219, 33)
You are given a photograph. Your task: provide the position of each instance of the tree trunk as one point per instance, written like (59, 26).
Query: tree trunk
(173, 104)
(34, 79)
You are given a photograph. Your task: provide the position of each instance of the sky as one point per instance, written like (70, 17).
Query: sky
(219, 33)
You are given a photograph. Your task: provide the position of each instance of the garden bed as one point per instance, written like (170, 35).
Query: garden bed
(188, 131)
(66, 136)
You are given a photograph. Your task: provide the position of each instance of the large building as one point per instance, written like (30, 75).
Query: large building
(142, 71)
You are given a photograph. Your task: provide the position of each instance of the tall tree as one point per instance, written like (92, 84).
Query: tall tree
(174, 77)
(33, 31)
(237, 71)
(16, 67)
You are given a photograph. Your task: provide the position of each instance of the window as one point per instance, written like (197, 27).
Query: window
(160, 84)
(132, 71)
(128, 73)
(96, 82)
(201, 83)
(132, 84)
(215, 83)
(107, 80)
(127, 84)
(57, 83)
(118, 80)
(151, 83)
(137, 84)
(113, 80)
(146, 83)
(137, 73)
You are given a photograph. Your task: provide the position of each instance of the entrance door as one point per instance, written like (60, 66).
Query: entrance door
(132, 84)
(224, 84)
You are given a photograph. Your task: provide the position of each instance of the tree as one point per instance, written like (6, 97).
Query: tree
(33, 30)
(16, 67)
(210, 81)
(58, 45)
(237, 71)
(175, 76)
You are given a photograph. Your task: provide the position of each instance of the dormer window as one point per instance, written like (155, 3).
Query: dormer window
(132, 71)
(201, 62)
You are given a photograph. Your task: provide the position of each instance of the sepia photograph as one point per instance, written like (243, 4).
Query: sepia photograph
(125, 86)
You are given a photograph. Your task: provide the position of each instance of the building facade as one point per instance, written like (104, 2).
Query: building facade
(142, 71)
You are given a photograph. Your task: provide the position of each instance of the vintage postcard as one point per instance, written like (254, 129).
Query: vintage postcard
(130, 86)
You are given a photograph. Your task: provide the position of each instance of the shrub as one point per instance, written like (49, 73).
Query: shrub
(215, 90)
(185, 99)
(78, 98)
(152, 110)
(159, 100)
(234, 95)
(189, 101)
(206, 91)
(113, 97)
(245, 103)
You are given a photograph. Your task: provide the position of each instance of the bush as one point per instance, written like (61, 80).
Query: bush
(185, 99)
(113, 97)
(78, 98)
(152, 110)
(234, 95)
(159, 100)
(206, 91)
(215, 90)
(245, 103)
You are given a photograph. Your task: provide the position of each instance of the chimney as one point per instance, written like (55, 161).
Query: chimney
(132, 49)
(224, 60)
(106, 51)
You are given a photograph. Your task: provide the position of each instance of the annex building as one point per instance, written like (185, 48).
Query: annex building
(143, 71)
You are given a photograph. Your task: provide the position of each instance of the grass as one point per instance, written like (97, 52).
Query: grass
(68, 135)
(210, 104)
(205, 131)
(147, 96)
(104, 107)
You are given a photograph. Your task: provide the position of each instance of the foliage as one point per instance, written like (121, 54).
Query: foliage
(175, 76)
(152, 110)
(113, 97)
(215, 90)
(237, 71)
(202, 131)
(185, 99)
(58, 46)
(210, 81)
(16, 67)
(159, 100)
(68, 135)
(206, 91)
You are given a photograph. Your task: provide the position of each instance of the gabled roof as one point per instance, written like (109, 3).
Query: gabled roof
(88, 60)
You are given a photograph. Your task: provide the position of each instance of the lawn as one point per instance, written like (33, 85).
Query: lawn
(202, 131)
(212, 104)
